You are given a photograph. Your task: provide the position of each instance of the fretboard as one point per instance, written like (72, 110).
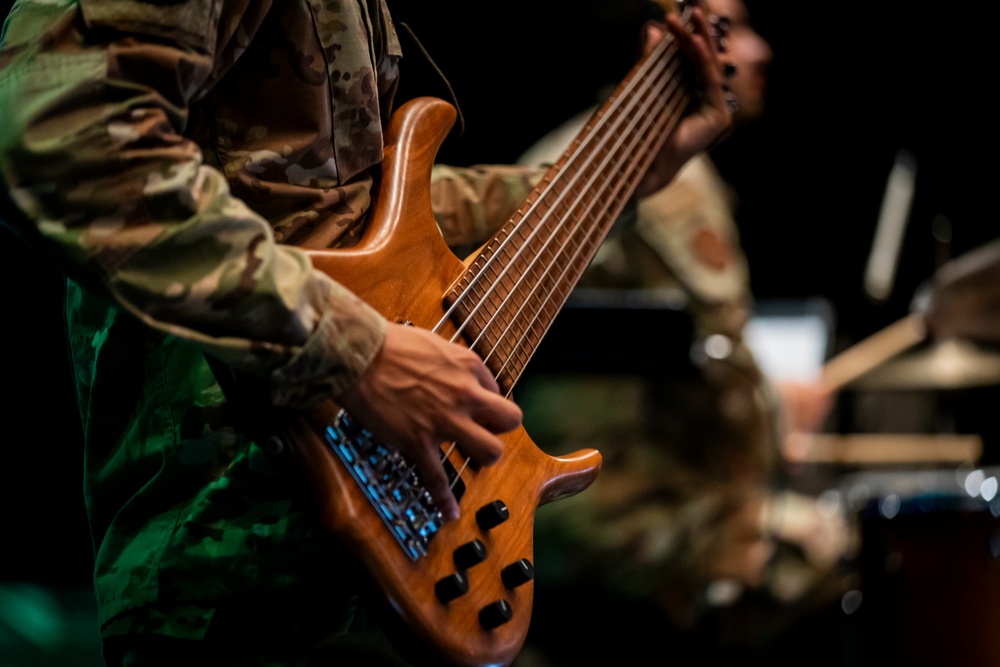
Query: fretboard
(511, 293)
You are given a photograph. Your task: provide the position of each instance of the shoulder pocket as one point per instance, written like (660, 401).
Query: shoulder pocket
(345, 36)
(193, 23)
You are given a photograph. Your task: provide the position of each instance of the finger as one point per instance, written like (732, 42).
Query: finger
(484, 376)
(698, 46)
(497, 414)
(695, 42)
(476, 442)
(702, 27)
(485, 404)
(427, 459)
(654, 33)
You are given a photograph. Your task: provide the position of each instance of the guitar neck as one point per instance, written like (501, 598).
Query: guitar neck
(508, 298)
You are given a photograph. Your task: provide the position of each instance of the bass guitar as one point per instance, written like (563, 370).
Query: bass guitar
(461, 592)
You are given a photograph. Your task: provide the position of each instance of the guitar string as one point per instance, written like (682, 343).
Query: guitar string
(613, 114)
(588, 240)
(654, 58)
(630, 133)
(670, 116)
(612, 111)
(659, 61)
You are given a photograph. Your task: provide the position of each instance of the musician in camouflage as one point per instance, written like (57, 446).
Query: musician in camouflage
(174, 159)
(688, 516)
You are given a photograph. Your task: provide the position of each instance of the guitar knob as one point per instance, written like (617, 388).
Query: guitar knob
(451, 587)
(492, 515)
(495, 615)
(518, 573)
(469, 554)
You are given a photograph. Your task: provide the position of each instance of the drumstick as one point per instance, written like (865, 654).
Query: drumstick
(878, 348)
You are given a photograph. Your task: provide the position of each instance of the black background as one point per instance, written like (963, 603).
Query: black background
(851, 86)
(849, 90)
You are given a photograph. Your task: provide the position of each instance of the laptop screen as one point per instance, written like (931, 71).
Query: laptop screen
(791, 339)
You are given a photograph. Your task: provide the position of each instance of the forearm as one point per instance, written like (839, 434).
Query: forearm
(98, 163)
(471, 203)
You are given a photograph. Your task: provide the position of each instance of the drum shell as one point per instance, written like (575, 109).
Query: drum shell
(930, 570)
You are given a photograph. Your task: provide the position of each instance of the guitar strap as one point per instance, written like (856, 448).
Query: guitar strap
(400, 22)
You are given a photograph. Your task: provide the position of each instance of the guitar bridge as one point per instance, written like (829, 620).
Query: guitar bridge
(391, 484)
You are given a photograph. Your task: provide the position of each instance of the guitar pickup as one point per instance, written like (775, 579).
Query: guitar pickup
(391, 484)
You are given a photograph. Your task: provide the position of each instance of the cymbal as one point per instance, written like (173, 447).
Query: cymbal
(950, 363)
(962, 299)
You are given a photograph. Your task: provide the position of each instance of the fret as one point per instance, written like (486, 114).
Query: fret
(514, 289)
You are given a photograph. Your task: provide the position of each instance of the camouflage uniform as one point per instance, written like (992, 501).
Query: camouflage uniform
(171, 157)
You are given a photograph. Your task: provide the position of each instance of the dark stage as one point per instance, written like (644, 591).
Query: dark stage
(853, 87)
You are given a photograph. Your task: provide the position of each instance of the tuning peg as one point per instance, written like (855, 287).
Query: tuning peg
(728, 70)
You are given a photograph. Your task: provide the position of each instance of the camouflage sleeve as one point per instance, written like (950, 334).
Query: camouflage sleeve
(92, 149)
(471, 203)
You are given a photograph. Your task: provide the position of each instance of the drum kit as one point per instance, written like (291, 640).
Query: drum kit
(950, 340)
(930, 561)
(949, 343)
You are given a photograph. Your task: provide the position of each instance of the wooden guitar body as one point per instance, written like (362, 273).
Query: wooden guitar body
(404, 269)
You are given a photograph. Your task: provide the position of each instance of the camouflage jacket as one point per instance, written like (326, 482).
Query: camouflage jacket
(173, 158)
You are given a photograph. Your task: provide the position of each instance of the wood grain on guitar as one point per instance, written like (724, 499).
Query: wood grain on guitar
(462, 591)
